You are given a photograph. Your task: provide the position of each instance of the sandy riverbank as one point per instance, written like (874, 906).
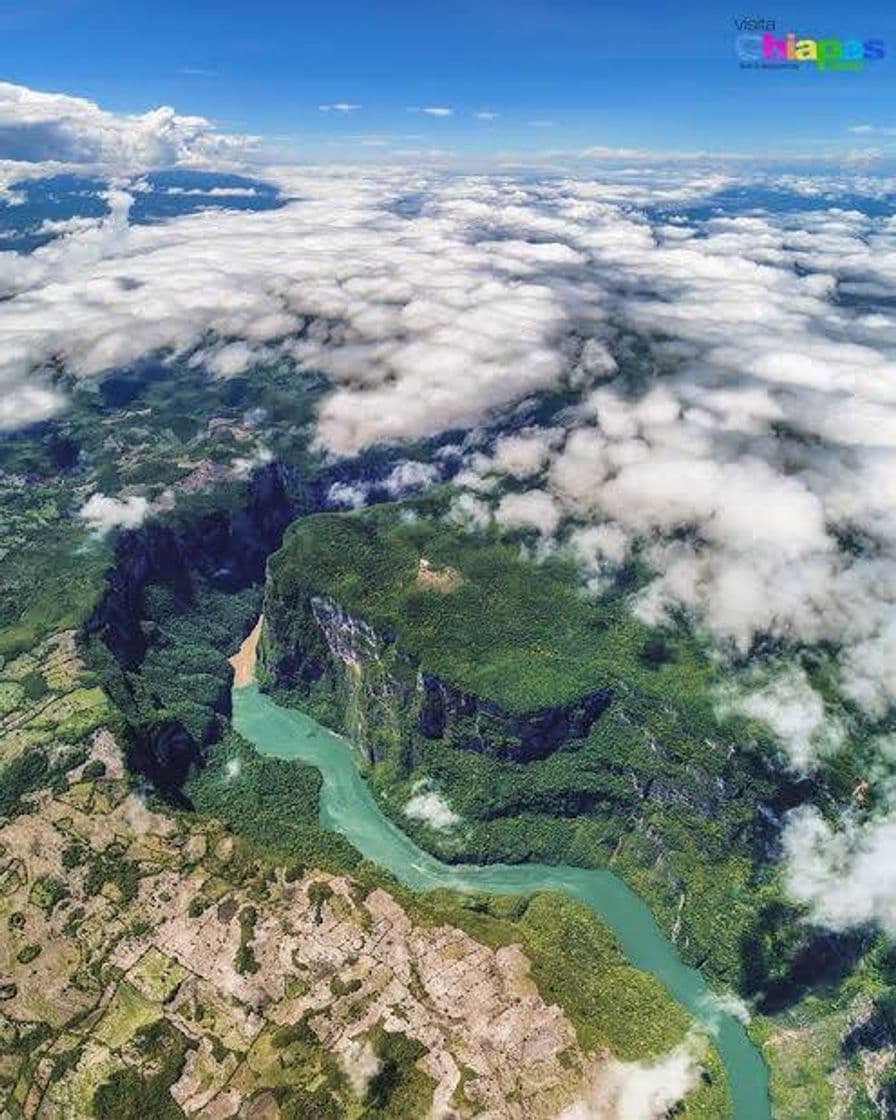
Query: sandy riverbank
(243, 661)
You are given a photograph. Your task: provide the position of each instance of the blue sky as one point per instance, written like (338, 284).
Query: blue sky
(644, 74)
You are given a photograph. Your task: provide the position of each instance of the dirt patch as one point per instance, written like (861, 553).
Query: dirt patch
(243, 661)
(444, 580)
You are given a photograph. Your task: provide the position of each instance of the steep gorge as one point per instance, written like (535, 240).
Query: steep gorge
(224, 548)
(626, 774)
(387, 703)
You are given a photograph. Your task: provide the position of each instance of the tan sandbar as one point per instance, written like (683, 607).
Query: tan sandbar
(243, 661)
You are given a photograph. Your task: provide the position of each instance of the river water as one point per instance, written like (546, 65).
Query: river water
(347, 806)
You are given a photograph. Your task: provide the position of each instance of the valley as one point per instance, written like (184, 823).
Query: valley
(569, 736)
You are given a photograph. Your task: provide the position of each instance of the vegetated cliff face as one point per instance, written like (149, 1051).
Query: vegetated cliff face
(228, 548)
(225, 548)
(358, 680)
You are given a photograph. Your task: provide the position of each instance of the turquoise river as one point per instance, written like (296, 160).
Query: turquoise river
(347, 806)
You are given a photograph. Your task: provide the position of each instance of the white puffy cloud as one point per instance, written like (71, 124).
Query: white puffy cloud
(470, 512)
(103, 513)
(717, 1005)
(429, 807)
(640, 1090)
(794, 712)
(37, 127)
(599, 549)
(359, 1062)
(230, 360)
(243, 465)
(347, 495)
(847, 875)
(525, 453)
(534, 509)
(212, 192)
(869, 665)
(411, 475)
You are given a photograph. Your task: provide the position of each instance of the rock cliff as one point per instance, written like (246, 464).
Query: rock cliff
(227, 548)
(358, 680)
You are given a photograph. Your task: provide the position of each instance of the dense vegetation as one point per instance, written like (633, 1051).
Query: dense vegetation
(30, 771)
(140, 431)
(520, 634)
(398, 1090)
(658, 785)
(131, 1092)
(184, 678)
(272, 803)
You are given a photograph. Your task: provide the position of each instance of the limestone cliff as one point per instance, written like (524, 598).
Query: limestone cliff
(358, 679)
(226, 547)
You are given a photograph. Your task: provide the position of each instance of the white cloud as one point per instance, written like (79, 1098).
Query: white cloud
(213, 192)
(794, 711)
(347, 495)
(600, 550)
(846, 876)
(872, 129)
(243, 465)
(411, 475)
(640, 1090)
(360, 1064)
(486, 115)
(339, 107)
(869, 665)
(37, 127)
(470, 512)
(429, 807)
(103, 513)
(437, 111)
(534, 509)
(525, 453)
(716, 1005)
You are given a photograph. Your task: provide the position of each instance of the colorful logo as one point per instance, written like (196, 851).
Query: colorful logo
(768, 50)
